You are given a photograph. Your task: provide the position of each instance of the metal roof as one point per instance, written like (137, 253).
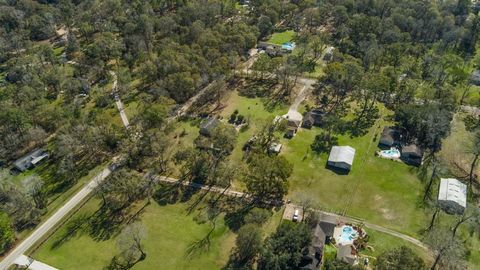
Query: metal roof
(342, 154)
(453, 190)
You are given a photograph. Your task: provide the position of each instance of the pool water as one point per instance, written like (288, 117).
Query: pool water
(288, 46)
(392, 153)
(348, 234)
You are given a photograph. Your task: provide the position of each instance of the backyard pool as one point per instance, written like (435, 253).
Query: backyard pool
(391, 153)
(346, 235)
(288, 46)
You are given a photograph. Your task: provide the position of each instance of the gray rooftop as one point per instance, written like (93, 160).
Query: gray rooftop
(30, 160)
(342, 154)
(453, 190)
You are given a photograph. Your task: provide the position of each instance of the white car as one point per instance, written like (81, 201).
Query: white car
(295, 215)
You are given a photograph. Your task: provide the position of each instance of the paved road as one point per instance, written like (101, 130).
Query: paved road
(51, 222)
(234, 193)
(118, 101)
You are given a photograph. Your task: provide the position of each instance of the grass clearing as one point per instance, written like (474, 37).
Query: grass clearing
(282, 37)
(166, 242)
(377, 190)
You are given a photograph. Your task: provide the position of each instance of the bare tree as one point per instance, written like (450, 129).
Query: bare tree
(130, 242)
(449, 252)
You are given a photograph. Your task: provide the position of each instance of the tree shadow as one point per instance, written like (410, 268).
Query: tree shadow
(73, 228)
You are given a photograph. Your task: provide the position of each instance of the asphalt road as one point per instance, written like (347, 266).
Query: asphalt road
(51, 222)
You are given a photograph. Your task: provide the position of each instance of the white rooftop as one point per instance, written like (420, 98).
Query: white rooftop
(342, 154)
(24, 261)
(453, 190)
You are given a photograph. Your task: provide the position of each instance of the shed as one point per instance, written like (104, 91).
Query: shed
(208, 125)
(341, 157)
(452, 196)
(30, 160)
(390, 137)
(312, 118)
(275, 148)
(329, 54)
(412, 154)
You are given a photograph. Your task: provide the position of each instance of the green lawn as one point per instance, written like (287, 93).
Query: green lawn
(281, 37)
(170, 231)
(255, 112)
(380, 242)
(377, 190)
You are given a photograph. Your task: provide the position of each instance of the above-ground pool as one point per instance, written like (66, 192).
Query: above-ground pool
(346, 235)
(288, 46)
(391, 153)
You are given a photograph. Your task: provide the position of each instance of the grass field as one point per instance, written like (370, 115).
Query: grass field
(170, 231)
(281, 37)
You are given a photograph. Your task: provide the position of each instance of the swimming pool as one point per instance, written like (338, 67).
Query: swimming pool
(348, 234)
(345, 235)
(391, 153)
(288, 46)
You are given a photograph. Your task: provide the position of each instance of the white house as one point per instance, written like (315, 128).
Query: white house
(341, 157)
(452, 196)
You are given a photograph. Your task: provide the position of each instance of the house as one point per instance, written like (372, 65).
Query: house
(412, 154)
(313, 118)
(322, 233)
(341, 157)
(275, 148)
(390, 137)
(347, 253)
(329, 54)
(208, 125)
(452, 196)
(475, 78)
(30, 160)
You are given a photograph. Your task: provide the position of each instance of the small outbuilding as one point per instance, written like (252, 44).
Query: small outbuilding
(348, 254)
(390, 137)
(208, 125)
(329, 54)
(341, 157)
(30, 160)
(452, 196)
(412, 154)
(275, 148)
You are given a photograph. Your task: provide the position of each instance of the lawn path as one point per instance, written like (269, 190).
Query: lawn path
(365, 158)
(118, 101)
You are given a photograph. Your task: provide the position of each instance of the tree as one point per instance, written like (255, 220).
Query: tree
(449, 252)
(402, 258)
(130, 243)
(283, 249)
(429, 124)
(267, 177)
(33, 186)
(475, 151)
(323, 142)
(257, 216)
(248, 244)
(7, 234)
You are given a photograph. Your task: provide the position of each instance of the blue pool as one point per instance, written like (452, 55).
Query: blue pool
(348, 234)
(288, 46)
(392, 153)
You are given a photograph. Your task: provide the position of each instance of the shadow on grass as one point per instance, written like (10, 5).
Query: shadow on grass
(336, 170)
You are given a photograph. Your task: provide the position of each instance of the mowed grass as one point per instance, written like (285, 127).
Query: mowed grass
(381, 242)
(379, 191)
(169, 233)
(281, 37)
